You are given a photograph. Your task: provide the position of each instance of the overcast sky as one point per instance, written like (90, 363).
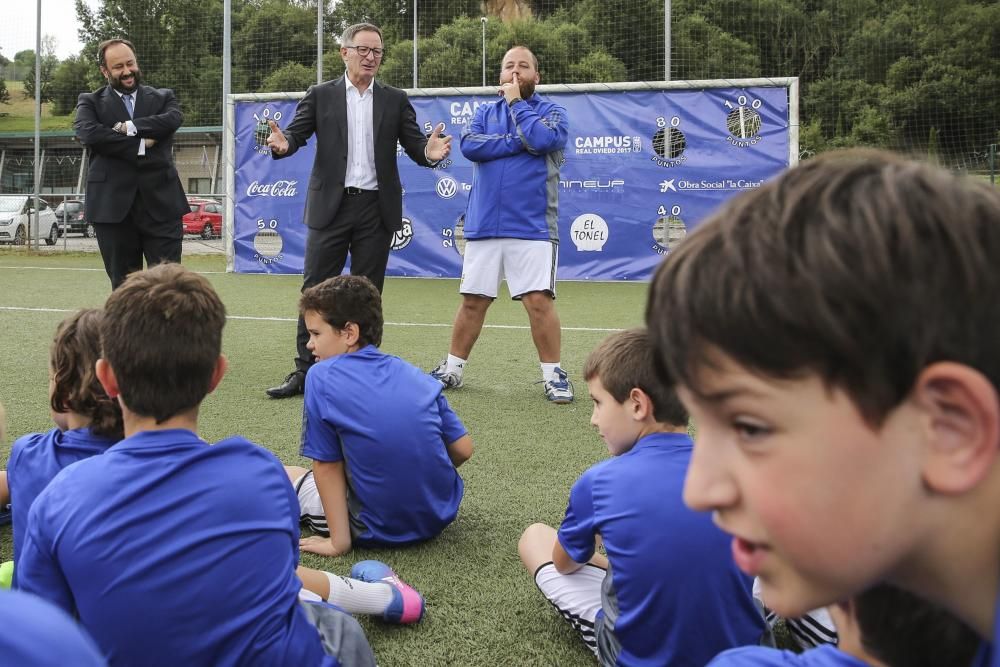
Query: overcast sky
(17, 25)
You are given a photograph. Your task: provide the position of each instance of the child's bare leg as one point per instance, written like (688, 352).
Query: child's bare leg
(295, 473)
(535, 547)
(4, 489)
(314, 580)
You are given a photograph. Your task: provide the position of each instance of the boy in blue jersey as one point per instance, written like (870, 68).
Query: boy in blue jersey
(33, 632)
(667, 593)
(834, 336)
(155, 545)
(87, 420)
(384, 442)
(882, 627)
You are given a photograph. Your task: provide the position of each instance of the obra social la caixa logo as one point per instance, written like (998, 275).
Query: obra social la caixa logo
(279, 188)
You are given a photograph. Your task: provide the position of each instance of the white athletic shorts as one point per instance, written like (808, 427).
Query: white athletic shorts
(576, 596)
(310, 506)
(528, 266)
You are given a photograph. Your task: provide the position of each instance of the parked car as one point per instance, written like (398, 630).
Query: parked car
(17, 212)
(205, 218)
(69, 213)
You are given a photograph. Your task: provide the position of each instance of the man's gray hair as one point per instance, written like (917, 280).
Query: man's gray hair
(347, 38)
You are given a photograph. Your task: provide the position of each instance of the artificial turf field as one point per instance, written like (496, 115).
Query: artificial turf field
(482, 606)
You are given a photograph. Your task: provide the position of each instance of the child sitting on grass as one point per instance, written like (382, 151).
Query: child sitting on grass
(384, 442)
(36, 633)
(87, 420)
(667, 593)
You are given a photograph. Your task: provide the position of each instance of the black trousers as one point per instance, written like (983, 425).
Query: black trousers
(356, 229)
(124, 244)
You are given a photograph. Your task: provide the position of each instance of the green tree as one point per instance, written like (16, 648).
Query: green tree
(177, 46)
(4, 93)
(395, 17)
(453, 55)
(48, 66)
(24, 62)
(66, 80)
(289, 77)
(268, 35)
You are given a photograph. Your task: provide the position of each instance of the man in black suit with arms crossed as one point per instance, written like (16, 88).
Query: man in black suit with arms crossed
(354, 204)
(134, 197)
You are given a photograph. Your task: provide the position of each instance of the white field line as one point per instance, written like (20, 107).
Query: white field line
(250, 318)
(82, 268)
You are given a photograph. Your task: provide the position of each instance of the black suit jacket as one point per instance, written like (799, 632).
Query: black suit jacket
(116, 171)
(323, 112)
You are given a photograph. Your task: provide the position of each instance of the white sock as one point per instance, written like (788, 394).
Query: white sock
(455, 364)
(358, 597)
(549, 371)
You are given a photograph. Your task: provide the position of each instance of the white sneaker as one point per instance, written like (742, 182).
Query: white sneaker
(559, 390)
(448, 379)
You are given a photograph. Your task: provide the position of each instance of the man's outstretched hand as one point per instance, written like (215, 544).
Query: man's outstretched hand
(438, 144)
(276, 141)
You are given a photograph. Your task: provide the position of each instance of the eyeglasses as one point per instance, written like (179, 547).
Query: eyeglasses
(363, 51)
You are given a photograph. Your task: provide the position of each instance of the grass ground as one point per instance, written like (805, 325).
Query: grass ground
(483, 608)
(20, 113)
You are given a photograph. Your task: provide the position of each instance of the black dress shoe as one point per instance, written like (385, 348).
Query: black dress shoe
(293, 385)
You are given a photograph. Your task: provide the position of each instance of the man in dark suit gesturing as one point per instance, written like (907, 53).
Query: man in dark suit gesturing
(134, 197)
(354, 204)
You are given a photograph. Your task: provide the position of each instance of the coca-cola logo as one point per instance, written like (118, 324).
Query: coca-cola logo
(276, 189)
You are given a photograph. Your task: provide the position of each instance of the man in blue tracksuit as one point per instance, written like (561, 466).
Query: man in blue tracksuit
(511, 228)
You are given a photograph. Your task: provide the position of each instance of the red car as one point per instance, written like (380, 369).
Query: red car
(205, 218)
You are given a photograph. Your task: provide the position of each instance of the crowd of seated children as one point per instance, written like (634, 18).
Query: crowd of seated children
(668, 592)
(155, 545)
(832, 334)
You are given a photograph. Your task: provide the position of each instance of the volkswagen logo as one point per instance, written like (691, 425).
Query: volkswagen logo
(446, 188)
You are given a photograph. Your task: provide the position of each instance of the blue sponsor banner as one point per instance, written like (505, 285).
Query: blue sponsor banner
(641, 170)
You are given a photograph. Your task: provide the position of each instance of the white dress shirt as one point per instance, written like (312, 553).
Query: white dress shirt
(360, 138)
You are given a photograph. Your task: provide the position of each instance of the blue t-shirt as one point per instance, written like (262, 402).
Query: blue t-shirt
(34, 460)
(673, 595)
(33, 632)
(390, 424)
(758, 656)
(172, 551)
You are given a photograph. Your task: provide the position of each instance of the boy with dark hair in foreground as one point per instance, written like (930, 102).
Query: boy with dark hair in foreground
(668, 592)
(156, 545)
(834, 335)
